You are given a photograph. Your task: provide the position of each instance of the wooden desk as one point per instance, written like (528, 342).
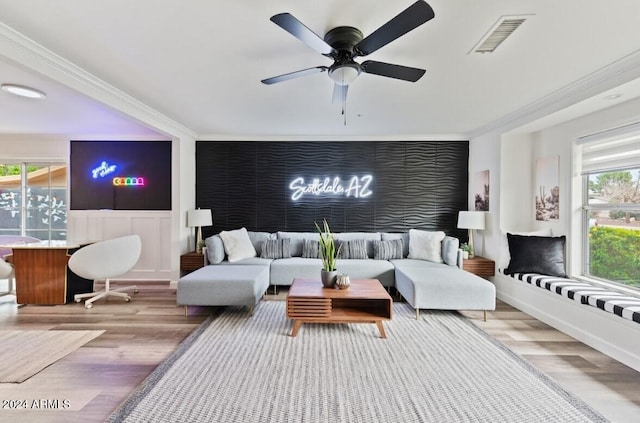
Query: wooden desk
(41, 272)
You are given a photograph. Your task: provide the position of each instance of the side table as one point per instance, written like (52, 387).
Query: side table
(480, 266)
(191, 261)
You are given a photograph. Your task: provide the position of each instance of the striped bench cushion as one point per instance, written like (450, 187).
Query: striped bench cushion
(622, 305)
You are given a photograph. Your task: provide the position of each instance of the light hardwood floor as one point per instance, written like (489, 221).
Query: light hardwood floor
(139, 335)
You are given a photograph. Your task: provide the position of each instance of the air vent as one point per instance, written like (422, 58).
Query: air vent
(503, 28)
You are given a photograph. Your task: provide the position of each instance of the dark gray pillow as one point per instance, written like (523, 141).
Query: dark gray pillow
(536, 254)
(343, 249)
(276, 248)
(310, 248)
(388, 250)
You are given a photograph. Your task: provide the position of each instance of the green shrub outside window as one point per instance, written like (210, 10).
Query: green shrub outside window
(614, 254)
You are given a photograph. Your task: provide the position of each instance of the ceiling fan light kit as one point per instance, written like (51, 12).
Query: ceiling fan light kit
(344, 43)
(344, 74)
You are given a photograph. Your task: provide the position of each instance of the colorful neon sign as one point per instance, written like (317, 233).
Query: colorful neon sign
(128, 181)
(357, 187)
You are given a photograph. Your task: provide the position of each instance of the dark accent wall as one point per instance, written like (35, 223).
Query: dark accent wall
(416, 184)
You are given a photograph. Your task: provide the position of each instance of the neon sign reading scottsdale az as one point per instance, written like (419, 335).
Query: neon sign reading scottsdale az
(357, 187)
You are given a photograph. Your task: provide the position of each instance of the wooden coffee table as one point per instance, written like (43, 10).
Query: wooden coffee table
(365, 301)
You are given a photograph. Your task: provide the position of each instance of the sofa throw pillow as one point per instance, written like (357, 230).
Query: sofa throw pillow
(504, 244)
(357, 248)
(450, 247)
(342, 248)
(388, 250)
(275, 249)
(237, 245)
(215, 249)
(404, 236)
(310, 248)
(426, 245)
(536, 254)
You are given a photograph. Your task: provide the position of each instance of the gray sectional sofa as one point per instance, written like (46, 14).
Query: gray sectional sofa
(438, 283)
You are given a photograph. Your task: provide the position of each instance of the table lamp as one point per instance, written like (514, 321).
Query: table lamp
(197, 219)
(471, 220)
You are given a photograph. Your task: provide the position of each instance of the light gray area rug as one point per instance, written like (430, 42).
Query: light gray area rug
(24, 353)
(441, 368)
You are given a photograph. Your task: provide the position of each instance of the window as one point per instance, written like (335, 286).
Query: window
(611, 205)
(33, 200)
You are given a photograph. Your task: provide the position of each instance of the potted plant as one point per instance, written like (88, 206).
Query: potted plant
(467, 252)
(329, 254)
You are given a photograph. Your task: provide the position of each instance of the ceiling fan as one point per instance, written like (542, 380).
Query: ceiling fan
(344, 43)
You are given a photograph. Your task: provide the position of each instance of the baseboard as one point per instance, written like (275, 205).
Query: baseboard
(607, 333)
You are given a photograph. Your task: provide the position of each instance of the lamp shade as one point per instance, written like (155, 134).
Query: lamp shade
(471, 220)
(198, 218)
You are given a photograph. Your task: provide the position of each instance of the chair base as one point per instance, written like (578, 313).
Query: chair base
(106, 292)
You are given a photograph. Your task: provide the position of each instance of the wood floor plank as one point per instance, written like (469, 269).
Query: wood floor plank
(140, 335)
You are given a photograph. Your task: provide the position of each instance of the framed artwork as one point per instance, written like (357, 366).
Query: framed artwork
(481, 190)
(547, 190)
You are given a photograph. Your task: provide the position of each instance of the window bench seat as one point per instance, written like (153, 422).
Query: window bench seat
(625, 306)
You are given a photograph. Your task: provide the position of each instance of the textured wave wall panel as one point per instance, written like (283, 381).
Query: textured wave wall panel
(416, 184)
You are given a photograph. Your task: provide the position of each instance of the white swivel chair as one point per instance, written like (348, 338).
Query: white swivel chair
(105, 260)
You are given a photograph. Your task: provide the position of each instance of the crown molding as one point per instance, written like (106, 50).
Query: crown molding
(613, 75)
(28, 53)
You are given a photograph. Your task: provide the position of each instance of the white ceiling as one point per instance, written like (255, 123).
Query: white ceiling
(197, 65)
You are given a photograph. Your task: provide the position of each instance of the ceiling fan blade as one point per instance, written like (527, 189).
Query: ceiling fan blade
(392, 71)
(411, 18)
(293, 75)
(299, 30)
(339, 94)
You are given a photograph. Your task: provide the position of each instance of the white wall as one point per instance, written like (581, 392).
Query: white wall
(484, 154)
(515, 164)
(184, 198)
(36, 147)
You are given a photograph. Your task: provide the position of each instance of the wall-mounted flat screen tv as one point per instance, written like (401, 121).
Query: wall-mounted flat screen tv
(120, 175)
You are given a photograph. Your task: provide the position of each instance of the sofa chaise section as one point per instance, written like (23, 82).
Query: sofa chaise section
(242, 285)
(429, 285)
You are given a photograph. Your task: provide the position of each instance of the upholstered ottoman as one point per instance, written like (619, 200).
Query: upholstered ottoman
(223, 286)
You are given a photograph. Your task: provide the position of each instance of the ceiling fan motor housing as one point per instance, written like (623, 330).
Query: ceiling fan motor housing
(343, 39)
